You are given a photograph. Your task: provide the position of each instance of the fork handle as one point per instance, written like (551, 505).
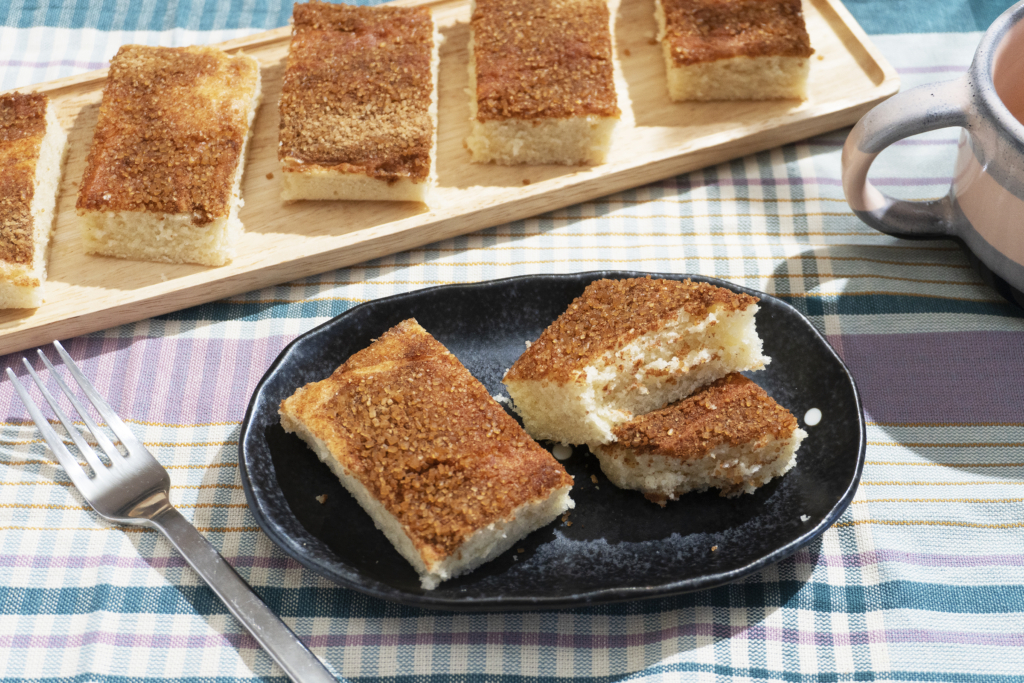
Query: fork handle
(284, 646)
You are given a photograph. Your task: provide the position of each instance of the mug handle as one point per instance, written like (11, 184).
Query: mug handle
(919, 110)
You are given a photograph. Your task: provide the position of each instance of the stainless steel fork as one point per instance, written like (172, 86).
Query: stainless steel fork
(133, 490)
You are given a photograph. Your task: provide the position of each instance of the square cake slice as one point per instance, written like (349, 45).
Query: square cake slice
(359, 104)
(628, 347)
(449, 477)
(164, 173)
(734, 49)
(541, 82)
(729, 435)
(32, 151)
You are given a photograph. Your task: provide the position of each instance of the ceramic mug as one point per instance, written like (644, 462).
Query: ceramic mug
(984, 209)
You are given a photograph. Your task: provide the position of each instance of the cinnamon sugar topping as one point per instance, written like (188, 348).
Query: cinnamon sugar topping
(412, 424)
(357, 91)
(22, 127)
(732, 410)
(170, 132)
(709, 30)
(543, 59)
(611, 313)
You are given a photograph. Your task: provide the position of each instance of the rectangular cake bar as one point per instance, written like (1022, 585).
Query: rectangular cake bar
(359, 103)
(449, 477)
(541, 82)
(32, 151)
(734, 49)
(164, 173)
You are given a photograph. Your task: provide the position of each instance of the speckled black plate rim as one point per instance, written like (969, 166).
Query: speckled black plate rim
(293, 546)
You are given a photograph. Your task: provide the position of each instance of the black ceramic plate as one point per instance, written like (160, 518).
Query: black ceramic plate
(619, 546)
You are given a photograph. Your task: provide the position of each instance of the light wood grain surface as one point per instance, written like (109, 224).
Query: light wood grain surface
(655, 139)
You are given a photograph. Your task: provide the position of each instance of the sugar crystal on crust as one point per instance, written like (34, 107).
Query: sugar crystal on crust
(171, 130)
(357, 91)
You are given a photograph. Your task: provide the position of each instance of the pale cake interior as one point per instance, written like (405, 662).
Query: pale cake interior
(22, 286)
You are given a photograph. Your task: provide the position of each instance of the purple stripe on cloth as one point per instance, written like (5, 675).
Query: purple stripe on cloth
(60, 62)
(956, 69)
(177, 381)
(873, 557)
(563, 641)
(773, 182)
(952, 142)
(863, 559)
(934, 377)
(758, 632)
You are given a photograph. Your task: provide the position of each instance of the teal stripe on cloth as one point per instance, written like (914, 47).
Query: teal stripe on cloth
(335, 602)
(811, 305)
(925, 16)
(876, 16)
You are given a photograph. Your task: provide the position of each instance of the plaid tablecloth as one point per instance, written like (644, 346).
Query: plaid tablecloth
(922, 579)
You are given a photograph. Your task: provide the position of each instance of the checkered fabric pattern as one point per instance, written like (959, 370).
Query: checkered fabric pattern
(922, 579)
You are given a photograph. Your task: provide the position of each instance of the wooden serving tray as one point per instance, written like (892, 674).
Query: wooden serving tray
(655, 139)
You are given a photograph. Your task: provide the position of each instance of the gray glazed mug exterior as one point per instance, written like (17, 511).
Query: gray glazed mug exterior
(984, 209)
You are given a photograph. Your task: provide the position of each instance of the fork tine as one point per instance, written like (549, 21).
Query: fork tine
(101, 438)
(76, 436)
(78, 476)
(119, 428)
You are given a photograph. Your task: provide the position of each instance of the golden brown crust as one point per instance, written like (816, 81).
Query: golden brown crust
(407, 419)
(732, 410)
(543, 59)
(611, 313)
(22, 127)
(170, 133)
(708, 30)
(357, 91)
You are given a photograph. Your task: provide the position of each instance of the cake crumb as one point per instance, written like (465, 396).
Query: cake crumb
(714, 548)
(561, 451)
(804, 518)
(593, 478)
(520, 550)
(321, 499)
